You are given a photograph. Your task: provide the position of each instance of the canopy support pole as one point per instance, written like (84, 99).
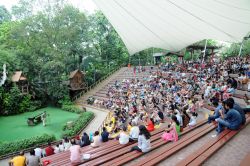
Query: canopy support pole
(204, 52)
(240, 48)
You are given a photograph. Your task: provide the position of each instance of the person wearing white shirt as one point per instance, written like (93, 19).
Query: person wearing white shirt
(225, 73)
(179, 118)
(56, 149)
(134, 132)
(38, 152)
(96, 140)
(123, 138)
(67, 144)
(143, 140)
(61, 147)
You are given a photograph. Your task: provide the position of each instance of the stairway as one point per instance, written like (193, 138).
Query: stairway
(100, 91)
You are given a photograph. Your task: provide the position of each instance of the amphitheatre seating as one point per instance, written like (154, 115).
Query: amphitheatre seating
(240, 96)
(123, 155)
(112, 145)
(115, 154)
(107, 151)
(133, 155)
(206, 151)
(196, 158)
(159, 155)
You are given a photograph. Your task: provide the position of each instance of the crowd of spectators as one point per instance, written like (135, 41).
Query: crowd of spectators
(171, 96)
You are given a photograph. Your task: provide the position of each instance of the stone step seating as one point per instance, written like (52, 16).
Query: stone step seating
(160, 155)
(201, 128)
(110, 150)
(63, 158)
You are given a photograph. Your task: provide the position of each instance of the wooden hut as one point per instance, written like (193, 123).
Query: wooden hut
(76, 80)
(21, 81)
(210, 50)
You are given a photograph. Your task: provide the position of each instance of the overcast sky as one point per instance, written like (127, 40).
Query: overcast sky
(81, 4)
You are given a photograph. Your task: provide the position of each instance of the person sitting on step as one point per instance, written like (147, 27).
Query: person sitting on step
(231, 119)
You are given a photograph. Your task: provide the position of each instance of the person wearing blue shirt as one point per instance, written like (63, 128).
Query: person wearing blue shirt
(232, 118)
(238, 108)
(216, 111)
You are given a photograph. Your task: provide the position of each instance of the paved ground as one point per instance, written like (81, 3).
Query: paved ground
(233, 152)
(100, 116)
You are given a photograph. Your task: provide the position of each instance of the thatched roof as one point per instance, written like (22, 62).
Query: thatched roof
(18, 77)
(73, 73)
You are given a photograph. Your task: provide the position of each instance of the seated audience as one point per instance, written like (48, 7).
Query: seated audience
(171, 134)
(61, 147)
(134, 132)
(75, 152)
(96, 140)
(143, 140)
(33, 160)
(216, 114)
(38, 152)
(150, 125)
(232, 118)
(56, 149)
(49, 150)
(66, 144)
(19, 160)
(123, 137)
(85, 140)
(193, 118)
(239, 109)
(105, 135)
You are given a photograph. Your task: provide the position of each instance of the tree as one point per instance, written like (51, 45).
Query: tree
(48, 45)
(5, 16)
(23, 9)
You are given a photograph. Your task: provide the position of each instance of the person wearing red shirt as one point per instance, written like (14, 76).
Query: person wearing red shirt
(150, 125)
(49, 150)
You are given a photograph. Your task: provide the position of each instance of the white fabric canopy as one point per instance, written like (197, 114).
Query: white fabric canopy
(175, 24)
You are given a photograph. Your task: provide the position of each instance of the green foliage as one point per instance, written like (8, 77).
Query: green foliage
(24, 104)
(67, 105)
(35, 105)
(4, 15)
(15, 146)
(187, 56)
(53, 41)
(234, 49)
(13, 102)
(82, 121)
(71, 108)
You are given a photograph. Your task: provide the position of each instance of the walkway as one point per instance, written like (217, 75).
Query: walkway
(100, 116)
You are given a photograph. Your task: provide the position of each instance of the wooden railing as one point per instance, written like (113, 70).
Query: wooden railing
(96, 83)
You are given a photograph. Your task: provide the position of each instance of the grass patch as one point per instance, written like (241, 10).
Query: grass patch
(15, 127)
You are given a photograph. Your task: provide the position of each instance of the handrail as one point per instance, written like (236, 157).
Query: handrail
(97, 82)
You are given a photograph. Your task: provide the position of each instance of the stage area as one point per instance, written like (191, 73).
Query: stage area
(16, 127)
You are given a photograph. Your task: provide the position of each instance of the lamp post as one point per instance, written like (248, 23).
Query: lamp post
(245, 38)
(204, 51)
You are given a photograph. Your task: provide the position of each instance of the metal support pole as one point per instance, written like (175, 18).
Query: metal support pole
(204, 52)
(240, 48)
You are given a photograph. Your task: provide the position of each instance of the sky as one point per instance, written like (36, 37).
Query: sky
(83, 5)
